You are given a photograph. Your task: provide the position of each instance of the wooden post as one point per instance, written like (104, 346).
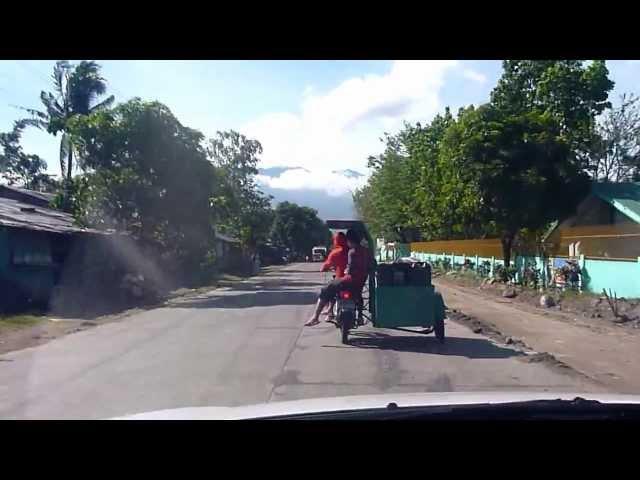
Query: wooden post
(493, 266)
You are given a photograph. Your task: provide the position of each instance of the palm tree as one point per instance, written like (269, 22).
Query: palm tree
(76, 88)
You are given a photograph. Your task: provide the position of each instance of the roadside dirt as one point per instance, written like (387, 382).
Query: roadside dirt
(604, 352)
(584, 309)
(49, 328)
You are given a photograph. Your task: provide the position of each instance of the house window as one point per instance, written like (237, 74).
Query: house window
(31, 249)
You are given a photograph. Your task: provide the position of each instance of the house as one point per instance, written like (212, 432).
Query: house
(604, 237)
(606, 224)
(34, 243)
(230, 256)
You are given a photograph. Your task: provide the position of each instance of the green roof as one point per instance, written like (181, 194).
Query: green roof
(625, 197)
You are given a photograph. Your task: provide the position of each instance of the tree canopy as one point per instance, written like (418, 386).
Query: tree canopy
(510, 166)
(615, 156)
(298, 228)
(19, 168)
(76, 89)
(148, 174)
(243, 210)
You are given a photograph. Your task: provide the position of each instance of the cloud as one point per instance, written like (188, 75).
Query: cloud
(332, 183)
(473, 75)
(338, 129)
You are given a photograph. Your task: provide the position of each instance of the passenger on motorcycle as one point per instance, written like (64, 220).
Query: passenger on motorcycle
(337, 261)
(355, 276)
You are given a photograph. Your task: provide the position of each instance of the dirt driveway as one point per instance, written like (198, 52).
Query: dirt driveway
(608, 354)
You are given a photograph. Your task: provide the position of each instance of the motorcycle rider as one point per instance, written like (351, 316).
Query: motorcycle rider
(337, 260)
(355, 275)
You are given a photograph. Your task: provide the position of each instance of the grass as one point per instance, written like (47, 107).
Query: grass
(15, 322)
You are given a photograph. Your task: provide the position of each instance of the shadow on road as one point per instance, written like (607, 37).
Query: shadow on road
(299, 271)
(458, 346)
(251, 299)
(272, 284)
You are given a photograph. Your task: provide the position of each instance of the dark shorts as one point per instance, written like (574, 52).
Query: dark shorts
(331, 289)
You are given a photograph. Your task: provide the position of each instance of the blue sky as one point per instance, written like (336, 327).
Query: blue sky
(320, 115)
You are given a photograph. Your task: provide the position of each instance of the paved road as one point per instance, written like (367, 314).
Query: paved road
(246, 344)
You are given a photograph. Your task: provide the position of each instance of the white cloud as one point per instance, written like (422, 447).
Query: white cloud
(473, 75)
(340, 128)
(301, 179)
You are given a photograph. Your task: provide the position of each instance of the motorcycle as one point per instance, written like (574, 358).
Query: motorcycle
(345, 313)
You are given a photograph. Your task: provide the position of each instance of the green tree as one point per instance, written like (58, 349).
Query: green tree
(417, 188)
(244, 210)
(523, 169)
(298, 228)
(445, 201)
(573, 92)
(76, 89)
(147, 174)
(19, 168)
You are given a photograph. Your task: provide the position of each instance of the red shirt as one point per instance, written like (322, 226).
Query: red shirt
(358, 264)
(338, 256)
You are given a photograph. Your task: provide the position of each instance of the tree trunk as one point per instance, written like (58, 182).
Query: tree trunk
(69, 163)
(507, 242)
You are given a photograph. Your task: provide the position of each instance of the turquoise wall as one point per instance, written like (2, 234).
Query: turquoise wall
(623, 278)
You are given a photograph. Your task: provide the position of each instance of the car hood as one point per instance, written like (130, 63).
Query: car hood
(364, 402)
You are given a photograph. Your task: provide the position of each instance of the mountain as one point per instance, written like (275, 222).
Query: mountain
(277, 171)
(348, 173)
(328, 206)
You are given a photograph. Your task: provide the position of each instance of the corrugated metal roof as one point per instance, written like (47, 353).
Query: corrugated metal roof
(23, 215)
(624, 197)
(25, 195)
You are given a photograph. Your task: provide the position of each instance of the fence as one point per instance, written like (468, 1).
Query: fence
(621, 241)
(486, 248)
(621, 275)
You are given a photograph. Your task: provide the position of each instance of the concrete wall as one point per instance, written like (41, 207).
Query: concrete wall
(622, 277)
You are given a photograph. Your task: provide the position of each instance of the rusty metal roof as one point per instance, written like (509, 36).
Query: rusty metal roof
(16, 214)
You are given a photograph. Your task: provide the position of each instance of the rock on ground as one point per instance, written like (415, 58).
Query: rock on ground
(509, 293)
(547, 301)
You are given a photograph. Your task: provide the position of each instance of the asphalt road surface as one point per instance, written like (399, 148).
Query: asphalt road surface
(246, 344)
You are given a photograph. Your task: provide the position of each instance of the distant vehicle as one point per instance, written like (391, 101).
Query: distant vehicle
(318, 254)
